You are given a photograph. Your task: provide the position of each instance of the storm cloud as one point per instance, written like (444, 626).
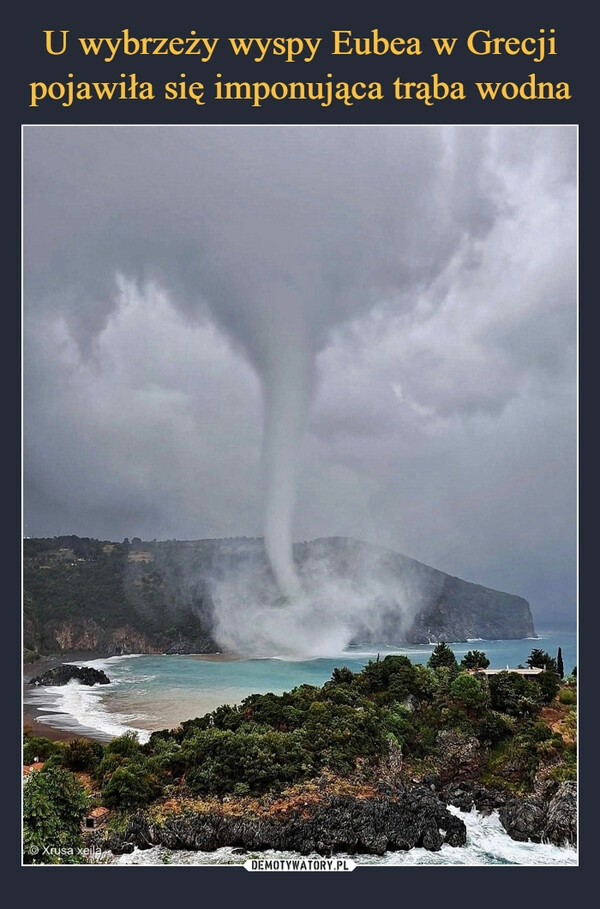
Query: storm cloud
(301, 331)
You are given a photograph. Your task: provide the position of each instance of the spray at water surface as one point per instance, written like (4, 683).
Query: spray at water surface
(280, 237)
(347, 593)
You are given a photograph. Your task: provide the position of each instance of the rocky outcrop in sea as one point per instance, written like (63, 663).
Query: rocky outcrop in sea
(543, 820)
(61, 675)
(547, 816)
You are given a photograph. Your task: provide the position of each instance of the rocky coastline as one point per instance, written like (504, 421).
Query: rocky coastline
(414, 817)
(548, 815)
(396, 806)
(401, 818)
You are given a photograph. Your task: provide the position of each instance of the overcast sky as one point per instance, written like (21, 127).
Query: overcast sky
(407, 294)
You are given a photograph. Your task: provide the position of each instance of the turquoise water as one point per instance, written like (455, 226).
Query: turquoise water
(157, 692)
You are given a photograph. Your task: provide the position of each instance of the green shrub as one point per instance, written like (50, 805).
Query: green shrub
(513, 694)
(540, 732)
(130, 786)
(567, 696)
(512, 766)
(54, 802)
(549, 685)
(567, 769)
(221, 761)
(495, 727)
(30, 656)
(81, 754)
(38, 748)
(126, 745)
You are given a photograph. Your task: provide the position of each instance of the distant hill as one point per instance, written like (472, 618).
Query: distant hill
(137, 596)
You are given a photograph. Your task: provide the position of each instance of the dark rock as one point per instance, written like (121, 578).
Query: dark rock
(461, 796)
(455, 831)
(432, 780)
(551, 820)
(561, 820)
(486, 800)
(415, 817)
(523, 819)
(468, 796)
(60, 675)
(460, 756)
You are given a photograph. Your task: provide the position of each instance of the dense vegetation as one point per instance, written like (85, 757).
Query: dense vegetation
(87, 594)
(354, 726)
(54, 803)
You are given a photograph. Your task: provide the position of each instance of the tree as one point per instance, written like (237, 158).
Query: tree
(442, 655)
(131, 786)
(469, 692)
(542, 660)
(81, 754)
(425, 683)
(391, 679)
(54, 802)
(549, 685)
(372, 677)
(342, 676)
(559, 664)
(513, 694)
(475, 659)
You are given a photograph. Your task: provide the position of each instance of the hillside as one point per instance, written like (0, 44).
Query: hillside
(369, 762)
(138, 596)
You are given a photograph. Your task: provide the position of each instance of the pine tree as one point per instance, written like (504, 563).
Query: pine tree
(442, 655)
(542, 660)
(475, 659)
(559, 664)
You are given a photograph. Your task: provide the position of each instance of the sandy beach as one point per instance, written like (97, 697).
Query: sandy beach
(31, 712)
(43, 730)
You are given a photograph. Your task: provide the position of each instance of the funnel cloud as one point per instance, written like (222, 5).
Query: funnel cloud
(348, 593)
(300, 331)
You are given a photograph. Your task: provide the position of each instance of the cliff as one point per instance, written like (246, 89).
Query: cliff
(415, 603)
(328, 825)
(399, 819)
(155, 597)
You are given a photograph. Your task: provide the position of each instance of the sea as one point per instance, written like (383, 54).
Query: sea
(152, 692)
